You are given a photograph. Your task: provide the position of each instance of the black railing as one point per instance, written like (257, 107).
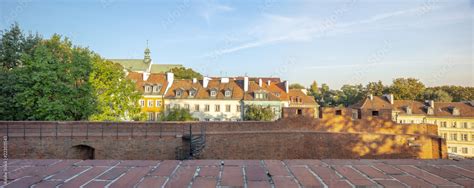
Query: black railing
(87, 130)
(194, 141)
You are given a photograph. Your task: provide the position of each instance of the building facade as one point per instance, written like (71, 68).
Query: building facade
(265, 93)
(300, 104)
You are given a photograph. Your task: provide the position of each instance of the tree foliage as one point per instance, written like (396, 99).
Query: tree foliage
(177, 114)
(437, 95)
(117, 97)
(258, 113)
(407, 88)
(185, 73)
(296, 86)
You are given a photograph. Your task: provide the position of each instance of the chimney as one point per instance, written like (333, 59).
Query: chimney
(431, 103)
(246, 84)
(170, 77)
(389, 98)
(195, 80)
(371, 97)
(224, 80)
(145, 76)
(260, 83)
(305, 91)
(269, 82)
(205, 82)
(287, 87)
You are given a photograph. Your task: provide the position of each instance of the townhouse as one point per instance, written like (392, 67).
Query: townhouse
(455, 120)
(300, 104)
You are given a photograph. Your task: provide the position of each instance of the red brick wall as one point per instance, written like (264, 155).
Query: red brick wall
(292, 112)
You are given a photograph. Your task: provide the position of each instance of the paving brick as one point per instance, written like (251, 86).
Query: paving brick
(165, 168)
(85, 177)
(387, 169)
(460, 171)
(209, 171)
(98, 163)
(371, 172)
(435, 180)
(202, 162)
(204, 182)
(182, 177)
(325, 173)
(303, 162)
(69, 173)
(255, 173)
(286, 182)
(390, 183)
(131, 177)
(152, 181)
(47, 184)
(258, 184)
(96, 184)
(305, 177)
(24, 182)
(440, 172)
(354, 177)
(232, 176)
(113, 173)
(138, 163)
(411, 181)
(338, 183)
(464, 182)
(276, 168)
(344, 162)
(241, 162)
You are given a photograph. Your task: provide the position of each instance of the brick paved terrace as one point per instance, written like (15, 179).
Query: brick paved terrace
(241, 173)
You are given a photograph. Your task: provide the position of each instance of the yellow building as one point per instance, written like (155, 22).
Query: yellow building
(455, 121)
(153, 86)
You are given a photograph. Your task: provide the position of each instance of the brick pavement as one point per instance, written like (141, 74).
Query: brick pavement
(240, 173)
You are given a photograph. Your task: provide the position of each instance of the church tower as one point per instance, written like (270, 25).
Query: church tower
(147, 59)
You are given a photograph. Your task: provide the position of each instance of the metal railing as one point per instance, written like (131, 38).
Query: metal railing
(89, 129)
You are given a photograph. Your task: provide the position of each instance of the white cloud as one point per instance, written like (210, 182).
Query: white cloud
(211, 8)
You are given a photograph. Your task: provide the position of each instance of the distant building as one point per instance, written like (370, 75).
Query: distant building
(144, 65)
(265, 94)
(455, 120)
(301, 105)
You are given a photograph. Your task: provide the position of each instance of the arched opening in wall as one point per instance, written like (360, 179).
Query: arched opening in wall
(83, 152)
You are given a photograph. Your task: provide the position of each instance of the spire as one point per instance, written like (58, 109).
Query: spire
(147, 58)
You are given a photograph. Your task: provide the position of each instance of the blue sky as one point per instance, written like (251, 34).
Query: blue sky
(334, 42)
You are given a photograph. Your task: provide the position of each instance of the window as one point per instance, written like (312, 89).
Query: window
(147, 89)
(227, 108)
(213, 93)
(454, 124)
(207, 108)
(453, 136)
(375, 113)
(196, 107)
(156, 89)
(444, 135)
(158, 103)
(444, 124)
(464, 137)
(151, 116)
(192, 93)
(186, 106)
(464, 125)
(464, 150)
(168, 107)
(454, 149)
(207, 119)
(218, 108)
(299, 112)
(176, 106)
(142, 103)
(179, 93)
(150, 103)
(277, 94)
(338, 112)
(238, 108)
(228, 93)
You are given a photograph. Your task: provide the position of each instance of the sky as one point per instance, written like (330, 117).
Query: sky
(334, 42)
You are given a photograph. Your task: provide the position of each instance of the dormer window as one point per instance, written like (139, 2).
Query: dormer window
(156, 89)
(455, 111)
(179, 93)
(213, 93)
(260, 95)
(148, 89)
(408, 110)
(228, 93)
(192, 93)
(277, 94)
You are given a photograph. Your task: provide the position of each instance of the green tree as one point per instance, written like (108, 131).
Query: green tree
(52, 83)
(437, 95)
(177, 114)
(296, 86)
(258, 113)
(375, 88)
(458, 93)
(185, 73)
(313, 89)
(407, 88)
(351, 94)
(116, 96)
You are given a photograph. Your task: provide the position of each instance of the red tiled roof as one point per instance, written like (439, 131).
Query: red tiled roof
(376, 103)
(204, 93)
(239, 173)
(297, 97)
(153, 79)
(441, 109)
